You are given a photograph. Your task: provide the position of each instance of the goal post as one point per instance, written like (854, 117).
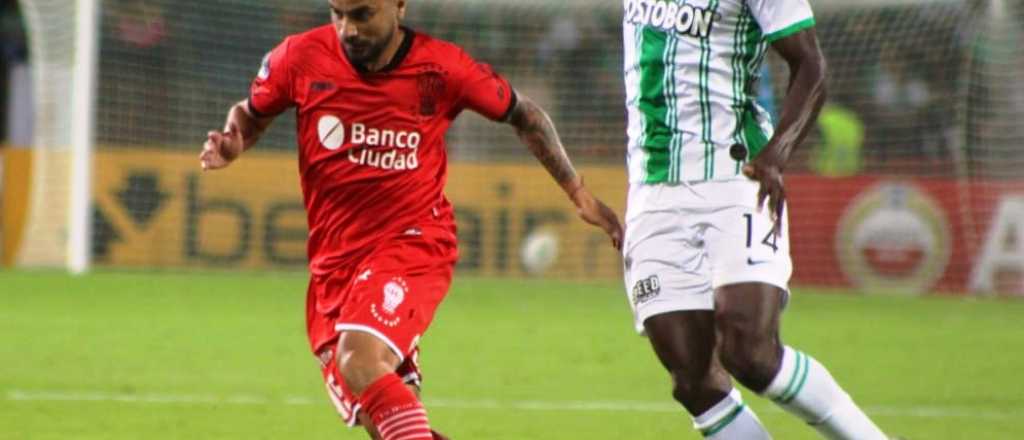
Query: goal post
(62, 50)
(83, 119)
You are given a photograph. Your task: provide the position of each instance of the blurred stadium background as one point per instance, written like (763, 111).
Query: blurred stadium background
(907, 220)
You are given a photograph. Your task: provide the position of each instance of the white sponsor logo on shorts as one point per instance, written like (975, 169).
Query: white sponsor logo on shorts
(646, 289)
(394, 295)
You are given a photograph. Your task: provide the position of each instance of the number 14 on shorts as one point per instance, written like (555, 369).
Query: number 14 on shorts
(770, 240)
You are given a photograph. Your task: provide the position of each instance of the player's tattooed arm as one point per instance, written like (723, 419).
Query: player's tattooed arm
(252, 125)
(538, 133)
(241, 131)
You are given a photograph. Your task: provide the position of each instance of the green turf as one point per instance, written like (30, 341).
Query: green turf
(224, 356)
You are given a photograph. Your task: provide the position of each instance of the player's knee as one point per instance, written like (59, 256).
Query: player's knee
(684, 386)
(360, 369)
(752, 358)
(698, 390)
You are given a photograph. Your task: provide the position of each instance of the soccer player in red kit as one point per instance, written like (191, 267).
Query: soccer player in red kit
(373, 101)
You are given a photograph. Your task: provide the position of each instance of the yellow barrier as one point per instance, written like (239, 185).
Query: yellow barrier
(158, 209)
(17, 174)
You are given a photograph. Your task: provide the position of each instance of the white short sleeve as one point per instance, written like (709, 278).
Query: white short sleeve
(781, 18)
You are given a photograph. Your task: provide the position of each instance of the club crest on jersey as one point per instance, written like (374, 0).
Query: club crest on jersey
(394, 295)
(667, 15)
(646, 289)
(431, 87)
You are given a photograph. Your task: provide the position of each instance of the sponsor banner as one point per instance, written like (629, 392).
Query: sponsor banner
(905, 235)
(155, 208)
(158, 209)
(893, 236)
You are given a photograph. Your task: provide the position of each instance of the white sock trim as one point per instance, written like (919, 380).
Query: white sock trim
(791, 378)
(720, 415)
(805, 388)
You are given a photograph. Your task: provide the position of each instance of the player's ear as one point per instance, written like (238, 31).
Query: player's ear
(400, 7)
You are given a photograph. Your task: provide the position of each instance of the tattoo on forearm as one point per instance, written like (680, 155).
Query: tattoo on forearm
(536, 130)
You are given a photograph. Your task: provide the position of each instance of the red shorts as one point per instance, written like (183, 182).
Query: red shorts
(391, 294)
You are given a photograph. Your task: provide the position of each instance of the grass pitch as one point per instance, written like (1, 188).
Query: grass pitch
(224, 356)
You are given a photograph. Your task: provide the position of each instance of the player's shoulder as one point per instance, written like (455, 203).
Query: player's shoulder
(313, 40)
(438, 50)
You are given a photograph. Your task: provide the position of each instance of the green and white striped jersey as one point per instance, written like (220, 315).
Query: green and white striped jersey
(690, 69)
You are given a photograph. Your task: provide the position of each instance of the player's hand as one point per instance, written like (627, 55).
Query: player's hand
(768, 173)
(595, 212)
(221, 148)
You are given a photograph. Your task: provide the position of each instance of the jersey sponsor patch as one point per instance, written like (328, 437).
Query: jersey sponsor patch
(646, 290)
(332, 132)
(371, 145)
(264, 72)
(670, 16)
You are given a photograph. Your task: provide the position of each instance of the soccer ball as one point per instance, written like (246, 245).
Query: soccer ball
(539, 251)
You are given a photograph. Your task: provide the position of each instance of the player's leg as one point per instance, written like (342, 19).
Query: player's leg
(669, 287)
(685, 343)
(357, 342)
(391, 304)
(344, 400)
(409, 371)
(367, 364)
(371, 430)
(747, 324)
(363, 359)
(365, 421)
(751, 276)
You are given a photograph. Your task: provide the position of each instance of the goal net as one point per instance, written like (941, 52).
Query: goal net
(906, 184)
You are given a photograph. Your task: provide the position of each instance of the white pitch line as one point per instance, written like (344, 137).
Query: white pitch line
(924, 412)
(564, 405)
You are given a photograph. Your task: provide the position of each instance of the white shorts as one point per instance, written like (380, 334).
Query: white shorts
(684, 241)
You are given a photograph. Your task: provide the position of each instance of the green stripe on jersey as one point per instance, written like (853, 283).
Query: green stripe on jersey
(653, 105)
(673, 113)
(752, 132)
(754, 50)
(739, 77)
(705, 101)
(790, 30)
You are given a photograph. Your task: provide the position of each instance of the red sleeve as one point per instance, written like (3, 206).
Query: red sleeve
(483, 90)
(271, 90)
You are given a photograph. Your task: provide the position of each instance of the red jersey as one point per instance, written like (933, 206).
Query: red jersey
(372, 154)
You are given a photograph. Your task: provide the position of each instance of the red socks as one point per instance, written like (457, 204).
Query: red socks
(395, 410)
